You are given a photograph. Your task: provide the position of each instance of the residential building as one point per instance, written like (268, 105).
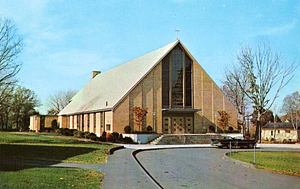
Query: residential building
(280, 132)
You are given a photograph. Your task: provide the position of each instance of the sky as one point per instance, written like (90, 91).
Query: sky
(65, 40)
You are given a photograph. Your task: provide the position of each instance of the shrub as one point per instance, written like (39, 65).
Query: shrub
(113, 137)
(127, 129)
(67, 132)
(104, 134)
(49, 130)
(78, 134)
(71, 132)
(64, 131)
(58, 131)
(85, 135)
(115, 134)
(120, 138)
(128, 140)
(92, 136)
(102, 139)
(149, 128)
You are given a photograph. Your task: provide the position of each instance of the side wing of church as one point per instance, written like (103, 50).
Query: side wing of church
(179, 96)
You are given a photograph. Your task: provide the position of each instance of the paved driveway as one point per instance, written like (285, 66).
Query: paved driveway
(205, 168)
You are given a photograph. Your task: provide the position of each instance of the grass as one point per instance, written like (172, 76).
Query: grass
(282, 162)
(17, 149)
(51, 178)
(51, 147)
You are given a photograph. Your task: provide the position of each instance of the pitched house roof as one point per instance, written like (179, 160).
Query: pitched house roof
(281, 125)
(107, 89)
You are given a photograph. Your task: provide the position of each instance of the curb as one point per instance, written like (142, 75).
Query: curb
(134, 153)
(144, 169)
(112, 150)
(238, 162)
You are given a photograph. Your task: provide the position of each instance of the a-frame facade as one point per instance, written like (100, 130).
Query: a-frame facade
(179, 96)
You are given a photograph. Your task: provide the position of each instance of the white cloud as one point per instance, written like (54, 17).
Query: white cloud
(25, 13)
(277, 30)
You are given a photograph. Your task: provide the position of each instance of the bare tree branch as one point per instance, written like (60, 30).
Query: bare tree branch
(59, 101)
(265, 72)
(10, 47)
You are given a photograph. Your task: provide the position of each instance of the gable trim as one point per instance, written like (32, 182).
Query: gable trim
(143, 77)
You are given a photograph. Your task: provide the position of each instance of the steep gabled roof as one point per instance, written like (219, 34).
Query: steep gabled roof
(105, 90)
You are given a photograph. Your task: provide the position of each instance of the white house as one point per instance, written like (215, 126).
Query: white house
(281, 132)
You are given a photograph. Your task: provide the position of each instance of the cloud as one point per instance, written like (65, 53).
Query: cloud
(40, 39)
(32, 12)
(278, 30)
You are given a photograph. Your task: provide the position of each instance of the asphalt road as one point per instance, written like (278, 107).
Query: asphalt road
(206, 168)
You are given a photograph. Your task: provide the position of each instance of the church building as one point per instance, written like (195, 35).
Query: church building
(178, 94)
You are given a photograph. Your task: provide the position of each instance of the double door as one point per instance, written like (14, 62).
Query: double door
(178, 124)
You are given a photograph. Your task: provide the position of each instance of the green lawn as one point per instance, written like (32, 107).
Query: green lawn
(51, 147)
(51, 178)
(282, 162)
(17, 149)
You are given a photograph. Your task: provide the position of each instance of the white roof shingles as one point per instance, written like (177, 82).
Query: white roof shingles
(111, 86)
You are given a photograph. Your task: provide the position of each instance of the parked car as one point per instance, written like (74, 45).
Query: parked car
(233, 142)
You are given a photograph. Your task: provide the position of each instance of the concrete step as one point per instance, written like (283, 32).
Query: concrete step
(155, 141)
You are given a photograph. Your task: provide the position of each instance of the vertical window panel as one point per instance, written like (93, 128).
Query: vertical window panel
(177, 78)
(188, 82)
(165, 81)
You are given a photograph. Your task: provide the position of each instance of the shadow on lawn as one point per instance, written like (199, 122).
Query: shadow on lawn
(19, 157)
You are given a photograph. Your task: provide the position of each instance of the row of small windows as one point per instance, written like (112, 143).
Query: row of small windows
(278, 132)
(81, 120)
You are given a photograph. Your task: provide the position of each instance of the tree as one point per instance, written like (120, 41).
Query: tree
(223, 120)
(10, 47)
(6, 95)
(139, 114)
(235, 94)
(291, 106)
(267, 117)
(23, 105)
(59, 101)
(266, 72)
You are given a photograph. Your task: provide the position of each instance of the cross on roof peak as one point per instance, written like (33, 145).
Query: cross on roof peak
(177, 31)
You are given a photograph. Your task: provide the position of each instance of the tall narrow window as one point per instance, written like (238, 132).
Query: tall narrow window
(88, 123)
(177, 78)
(165, 81)
(95, 125)
(78, 123)
(82, 123)
(188, 82)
